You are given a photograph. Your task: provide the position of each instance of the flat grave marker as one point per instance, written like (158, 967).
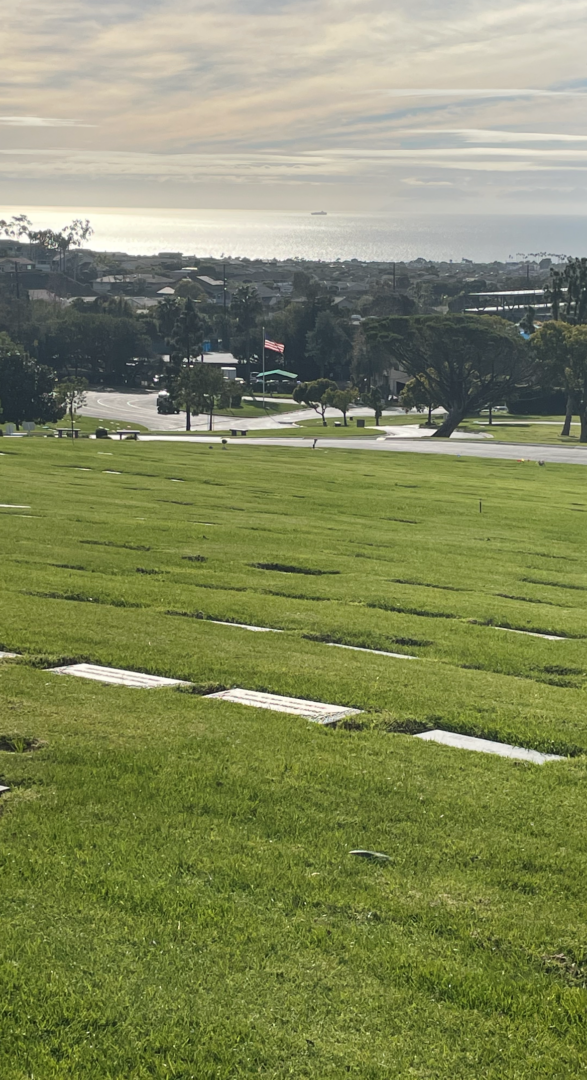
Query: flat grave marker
(318, 711)
(117, 676)
(9, 655)
(376, 652)
(245, 626)
(530, 633)
(486, 746)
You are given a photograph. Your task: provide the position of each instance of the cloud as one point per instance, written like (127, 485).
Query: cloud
(290, 92)
(520, 92)
(39, 121)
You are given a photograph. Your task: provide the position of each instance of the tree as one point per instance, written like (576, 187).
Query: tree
(551, 346)
(375, 399)
(465, 362)
(328, 345)
(72, 396)
(576, 374)
(575, 276)
(27, 389)
(167, 313)
(197, 389)
(416, 395)
(313, 394)
(527, 324)
(370, 361)
(554, 292)
(245, 308)
(186, 343)
(341, 400)
(187, 334)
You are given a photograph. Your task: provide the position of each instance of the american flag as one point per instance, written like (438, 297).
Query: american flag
(275, 345)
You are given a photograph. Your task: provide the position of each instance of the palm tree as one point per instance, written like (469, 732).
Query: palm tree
(186, 342)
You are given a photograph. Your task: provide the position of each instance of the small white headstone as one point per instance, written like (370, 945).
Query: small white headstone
(28, 425)
(9, 429)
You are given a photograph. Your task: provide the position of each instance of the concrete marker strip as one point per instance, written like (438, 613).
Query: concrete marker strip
(486, 746)
(530, 633)
(118, 676)
(9, 655)
(376, 652)
(244, 626)
(317, 711)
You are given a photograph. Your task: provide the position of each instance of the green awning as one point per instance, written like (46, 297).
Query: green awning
(277, 371)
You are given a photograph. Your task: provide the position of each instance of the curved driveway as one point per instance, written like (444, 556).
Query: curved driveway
(141, 407)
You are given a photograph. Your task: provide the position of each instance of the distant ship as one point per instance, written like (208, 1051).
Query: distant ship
(319, 213)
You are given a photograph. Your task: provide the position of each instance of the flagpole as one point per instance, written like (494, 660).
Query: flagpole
(263, 332)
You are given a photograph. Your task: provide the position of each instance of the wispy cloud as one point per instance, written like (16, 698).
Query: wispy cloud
(292, 93)
(39, 122)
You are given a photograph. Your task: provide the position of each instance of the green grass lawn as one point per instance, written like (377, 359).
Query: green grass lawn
(177, 895)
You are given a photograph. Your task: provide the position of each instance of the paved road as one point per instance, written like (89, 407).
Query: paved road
(140, 407)
(561, 455)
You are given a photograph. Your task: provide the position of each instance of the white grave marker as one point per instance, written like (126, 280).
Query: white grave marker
(485, 746)
(244, 626)
(376, 652)
(317, 711)
(117, 676)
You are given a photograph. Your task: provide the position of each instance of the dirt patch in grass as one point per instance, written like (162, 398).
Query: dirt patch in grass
(202, 689)
(555, 584)
(20, 744)
(361, 643)
(567, 968)
(194, 558)
(111, 543)
(284, 568)
(403, 521)
(504, 624)
(221, 588)
(79, 598)
(294, 595)
(145, 570)
(426, 585)
(51, 660)
(525, 599)
(381, 605)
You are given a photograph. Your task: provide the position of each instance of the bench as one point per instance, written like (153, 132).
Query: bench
(126, 434)
(61, 431)
(237, 431)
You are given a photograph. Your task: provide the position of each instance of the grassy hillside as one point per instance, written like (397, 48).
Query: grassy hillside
(177, 893)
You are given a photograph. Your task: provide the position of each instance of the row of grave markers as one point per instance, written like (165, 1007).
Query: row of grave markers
(316, 711)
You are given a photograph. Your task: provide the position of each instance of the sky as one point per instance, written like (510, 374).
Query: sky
(357, 105)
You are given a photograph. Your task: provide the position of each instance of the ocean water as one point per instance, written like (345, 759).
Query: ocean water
(280, 235)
